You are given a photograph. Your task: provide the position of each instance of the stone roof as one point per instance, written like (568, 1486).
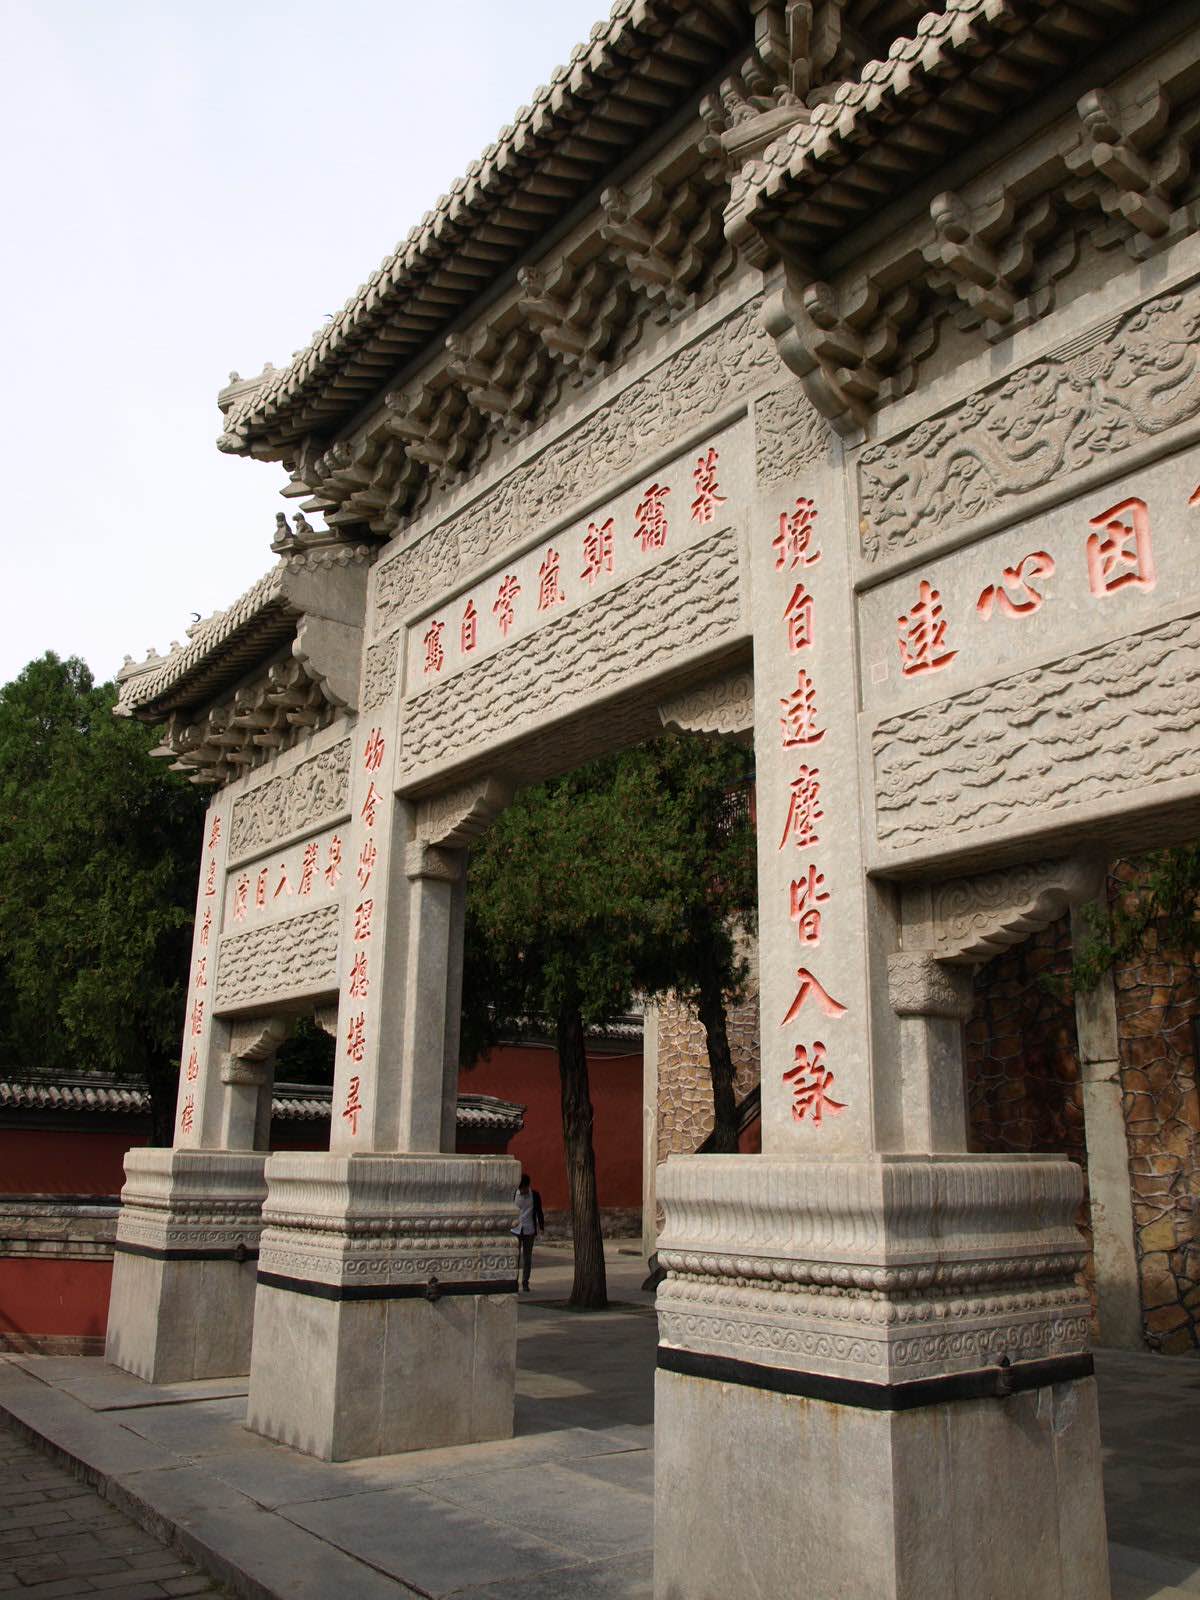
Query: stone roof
(291, 1102)
(625, 80)
(963, 67)
(218, 651)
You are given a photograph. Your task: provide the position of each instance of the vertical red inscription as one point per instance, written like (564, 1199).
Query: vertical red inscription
(1124, 554)
(1014, 595)
(798, 614)
(704, 476)
(799, 719)
(308, 867)
(597, 551)
(549, 592)
(793, 544)
(811, 988)
(921, 634)
(651, 518)
(804, 809)
(468, 634)
(350, 1111)
(358, 976)
(811, 1081)
(435, 652)
(506, 601)
(333, 865)
(808, 894)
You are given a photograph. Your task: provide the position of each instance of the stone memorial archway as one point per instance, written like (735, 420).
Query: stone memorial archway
(862, 412)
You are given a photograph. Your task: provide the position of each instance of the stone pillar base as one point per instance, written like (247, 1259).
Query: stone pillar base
(182, 1303)
(893, 1354)
(386, 1316)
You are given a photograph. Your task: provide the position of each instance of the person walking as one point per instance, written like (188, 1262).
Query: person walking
(531, 1220)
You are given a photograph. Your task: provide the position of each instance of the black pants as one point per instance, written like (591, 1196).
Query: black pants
(526, 1243)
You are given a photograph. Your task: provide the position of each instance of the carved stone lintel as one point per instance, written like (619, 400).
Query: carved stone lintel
(326, 1018)
(257, 1039)
(724, 705)
(460, 815)
(973, 919)
(250, 1074)
(423, 860)
(922, 986)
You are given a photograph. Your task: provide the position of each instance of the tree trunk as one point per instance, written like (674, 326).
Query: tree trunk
(711, 1009)
(590, 1289)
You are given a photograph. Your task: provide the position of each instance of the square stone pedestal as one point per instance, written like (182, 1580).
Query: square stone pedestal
(874, 1382)
(182, 1302)
(386, 1316)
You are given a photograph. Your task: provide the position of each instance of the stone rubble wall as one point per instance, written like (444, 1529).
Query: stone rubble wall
(1158, 1000)
(1024, 1091)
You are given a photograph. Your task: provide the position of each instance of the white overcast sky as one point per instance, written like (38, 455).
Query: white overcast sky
(189, 186)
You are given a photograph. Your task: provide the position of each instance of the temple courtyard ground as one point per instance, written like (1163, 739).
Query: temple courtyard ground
(563, 1511)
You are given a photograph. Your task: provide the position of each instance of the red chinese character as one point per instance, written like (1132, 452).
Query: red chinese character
(215, 833)
(435, 655)
(549, 593)
(308, 868)
(358, 976)
(799, 719)
(356, 1038)
(704, 474)
(210, 883)
(804, 809)
(366, 863)
(809, 987)
(241, 897)
(651, 517)
(370, 805)
(186, 1115)
(284, 886)
(1194, 497)
(798, 615)
(1112, 563)
(205, 927)
(375, 746)
(1024, 597)
(792, 543)
(353, 1105)
(362, 920)
(197, 1018)
(201, 970)
(469, 632)
(260, 889)
(597, 551)
(505, 606)
(333, 866)
(193, 1067)
(807, 894)
(811, 1098)
(921, 635)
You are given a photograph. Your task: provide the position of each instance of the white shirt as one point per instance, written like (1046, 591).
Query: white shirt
(525, 1211)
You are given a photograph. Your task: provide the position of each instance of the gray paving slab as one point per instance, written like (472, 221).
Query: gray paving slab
(437, 1547)
(588, 1518)
(198, 1428)
(627, 1578)
(103, 1387)
(630, 1469)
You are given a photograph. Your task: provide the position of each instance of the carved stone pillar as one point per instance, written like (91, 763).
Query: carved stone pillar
(865, 1312)
(386, 1313)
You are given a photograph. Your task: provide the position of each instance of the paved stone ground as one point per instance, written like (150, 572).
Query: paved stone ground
(60, 1541)
(562, 1511)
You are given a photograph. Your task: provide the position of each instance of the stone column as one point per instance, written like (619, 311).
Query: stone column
(386, 1309)
(1118, 1287)
(864, 1315)
(182, 1301)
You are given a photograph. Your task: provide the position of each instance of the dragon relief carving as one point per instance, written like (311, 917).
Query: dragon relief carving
(789, 434)
(628, 635)
(379, 676)
(693, 384)
(1131, 381)
(316, 791)
(295, 953)
(1104, 724)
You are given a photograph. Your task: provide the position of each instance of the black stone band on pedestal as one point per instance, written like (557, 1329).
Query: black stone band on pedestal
(223, 1252)
(434, 1289)
(987, 1383)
